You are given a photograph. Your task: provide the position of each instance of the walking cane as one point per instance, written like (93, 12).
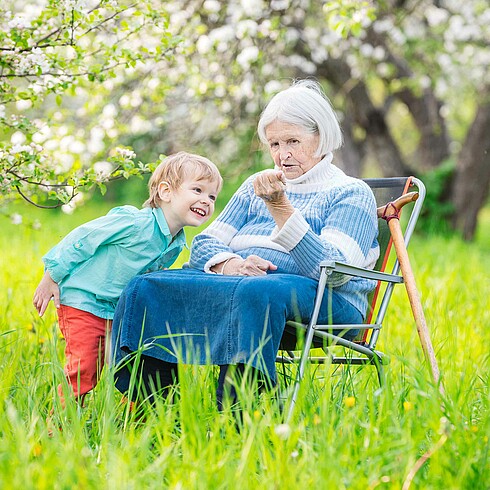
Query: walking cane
(391, 213)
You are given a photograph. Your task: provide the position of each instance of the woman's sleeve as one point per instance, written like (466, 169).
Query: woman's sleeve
(348, 234)
(81, 243)
(212, 245)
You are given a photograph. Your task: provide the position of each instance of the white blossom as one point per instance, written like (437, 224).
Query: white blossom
(414, 29)
(425, 82)
(318, 55)
(34, 61)
(272, 87)
(68, 208)
(23, 104)
(246, 27)
(109, 110)
(366, 50)
(224, 34)
(248, 56)
(204, 44)
(212, 6)
(283, 431)
(75, 201)
(383, 69)
(79, 5)
(383, 25)
(103, 169)
(292, 35)
(16, 219)
(19, 22)
(246, 88)
(125, 153)
(37, 87)
(435, 15)
(36, 147)
(18, 138)
(252, 8)
(220, 91)
(279, 4)
(379, 53)
(264, 27)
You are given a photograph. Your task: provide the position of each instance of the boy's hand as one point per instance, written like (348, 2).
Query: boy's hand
(46, 290)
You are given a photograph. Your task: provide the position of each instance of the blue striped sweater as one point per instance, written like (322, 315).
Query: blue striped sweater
(334, 219)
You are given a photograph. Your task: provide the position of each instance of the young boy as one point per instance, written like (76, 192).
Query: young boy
(87, 271)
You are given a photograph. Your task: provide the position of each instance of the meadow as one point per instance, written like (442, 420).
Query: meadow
(346, 432)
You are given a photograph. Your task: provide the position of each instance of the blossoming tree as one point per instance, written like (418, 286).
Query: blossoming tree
(57, 57)
(410, 79)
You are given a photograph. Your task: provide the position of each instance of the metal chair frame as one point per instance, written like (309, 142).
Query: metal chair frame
(363, 350)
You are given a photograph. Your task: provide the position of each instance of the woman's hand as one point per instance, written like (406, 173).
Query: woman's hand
(46, 290)
(251, 266)
(271, 187)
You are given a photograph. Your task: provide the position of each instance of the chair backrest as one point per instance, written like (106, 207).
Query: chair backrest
(386, 190)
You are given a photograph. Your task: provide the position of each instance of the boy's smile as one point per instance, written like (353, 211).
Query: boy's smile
(192, 204)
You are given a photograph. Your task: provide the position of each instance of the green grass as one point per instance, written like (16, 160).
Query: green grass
(346, 432)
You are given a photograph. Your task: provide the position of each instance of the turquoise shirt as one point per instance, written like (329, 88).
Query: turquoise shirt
(95, 262)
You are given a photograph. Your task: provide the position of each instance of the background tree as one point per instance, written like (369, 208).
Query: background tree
(58, 59)
(409, 77)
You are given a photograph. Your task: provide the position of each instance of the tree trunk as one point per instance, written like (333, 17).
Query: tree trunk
(433, 145)
(379, 142)
(425, 109)
(472, 178)
(351, 155)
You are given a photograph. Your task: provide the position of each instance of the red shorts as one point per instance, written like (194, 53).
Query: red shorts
(85, 335)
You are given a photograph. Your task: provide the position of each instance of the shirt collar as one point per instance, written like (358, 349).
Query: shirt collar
(162, 224)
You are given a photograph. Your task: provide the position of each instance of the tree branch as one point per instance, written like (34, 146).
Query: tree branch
(54, 206)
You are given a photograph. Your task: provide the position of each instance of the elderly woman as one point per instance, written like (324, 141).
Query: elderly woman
(257, 265)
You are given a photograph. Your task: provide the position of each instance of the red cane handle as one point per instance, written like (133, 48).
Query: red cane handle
(392, 209)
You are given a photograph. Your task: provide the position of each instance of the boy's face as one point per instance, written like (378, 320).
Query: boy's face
(192, 204)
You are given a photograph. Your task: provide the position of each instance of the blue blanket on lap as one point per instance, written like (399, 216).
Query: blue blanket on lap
(188, 316)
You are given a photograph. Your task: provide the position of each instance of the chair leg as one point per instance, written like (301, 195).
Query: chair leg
(308, 339)
(301, 371)
(380, 371)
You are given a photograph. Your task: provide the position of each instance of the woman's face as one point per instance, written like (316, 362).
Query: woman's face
(292, 148)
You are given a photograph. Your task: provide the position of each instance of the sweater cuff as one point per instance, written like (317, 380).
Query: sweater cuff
(292, 232)
(217, 259)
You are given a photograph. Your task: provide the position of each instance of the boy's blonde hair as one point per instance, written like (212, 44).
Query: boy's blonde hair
(178, 167)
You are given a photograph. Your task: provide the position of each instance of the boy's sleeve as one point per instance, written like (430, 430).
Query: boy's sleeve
(82, 243)
(212, 245)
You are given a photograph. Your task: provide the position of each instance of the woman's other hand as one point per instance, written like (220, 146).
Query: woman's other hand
(46, 290)
(251, 266)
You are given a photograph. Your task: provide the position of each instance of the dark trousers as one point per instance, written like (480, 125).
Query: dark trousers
(154, 376)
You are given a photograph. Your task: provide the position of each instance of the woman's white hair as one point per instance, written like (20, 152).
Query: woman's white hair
(304, 104)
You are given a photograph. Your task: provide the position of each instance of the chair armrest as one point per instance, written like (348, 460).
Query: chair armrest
(351, 270)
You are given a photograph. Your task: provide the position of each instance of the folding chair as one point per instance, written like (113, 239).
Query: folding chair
(362, 350)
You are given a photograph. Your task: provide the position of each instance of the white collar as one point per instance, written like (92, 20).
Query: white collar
(321, 172)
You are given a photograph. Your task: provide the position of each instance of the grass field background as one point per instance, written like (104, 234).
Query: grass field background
(346, 431)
